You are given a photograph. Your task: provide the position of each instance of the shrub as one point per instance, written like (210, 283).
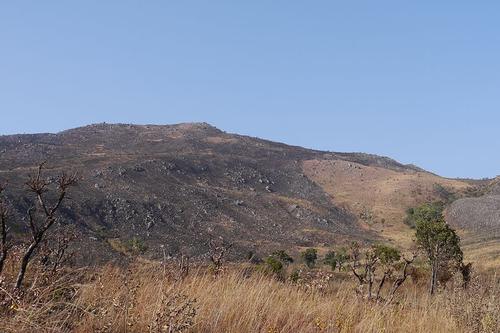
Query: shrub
(331, 260)
(374, 266)
(336, 259)
(386, 254)
(283, 257)
(310, 256)
(136, 245)
(273, 265)
(295, 276)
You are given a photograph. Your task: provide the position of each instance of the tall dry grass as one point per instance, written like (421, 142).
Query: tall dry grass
(149, 297)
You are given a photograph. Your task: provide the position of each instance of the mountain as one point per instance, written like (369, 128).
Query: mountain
(169, 189)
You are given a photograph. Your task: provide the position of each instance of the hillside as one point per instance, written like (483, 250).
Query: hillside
(171, 188)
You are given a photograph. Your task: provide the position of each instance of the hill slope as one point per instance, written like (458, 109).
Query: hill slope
(173, 187)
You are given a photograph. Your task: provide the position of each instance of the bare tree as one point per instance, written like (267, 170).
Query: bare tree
(402, 277)
(363, 269)
(3, 229)
(55, 249)
(217, 253)
(46, 217)
(378, 265)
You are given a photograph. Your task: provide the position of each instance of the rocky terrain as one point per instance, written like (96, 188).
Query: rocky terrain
(480, 215)
(169, 189)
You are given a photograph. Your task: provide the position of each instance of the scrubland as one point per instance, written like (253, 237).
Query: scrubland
(144, 296)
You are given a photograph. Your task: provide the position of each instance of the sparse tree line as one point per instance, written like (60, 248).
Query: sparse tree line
(379, 270)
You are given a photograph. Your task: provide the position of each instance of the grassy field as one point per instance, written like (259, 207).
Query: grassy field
(378, 196)
(152, 297)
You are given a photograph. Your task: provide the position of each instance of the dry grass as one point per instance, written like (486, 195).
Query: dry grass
(375, 193)
(147, 297)
(484, 253)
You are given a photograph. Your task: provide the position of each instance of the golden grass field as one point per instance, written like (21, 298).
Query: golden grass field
(379, 196)
(151, 297)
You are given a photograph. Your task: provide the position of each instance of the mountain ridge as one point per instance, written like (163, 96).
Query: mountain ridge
(175, 186)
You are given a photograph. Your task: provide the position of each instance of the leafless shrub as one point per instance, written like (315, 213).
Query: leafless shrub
(54, 251)
(183, 264)
(217, 254)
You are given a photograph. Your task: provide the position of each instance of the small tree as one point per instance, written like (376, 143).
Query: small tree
(401, 278)
(388, 257)
(342, 257)
(42, 215)
(440, 243)
(330, 260)
(378, 263)
(310, 256)
(53, 253)
(363, 267)
(336, 259)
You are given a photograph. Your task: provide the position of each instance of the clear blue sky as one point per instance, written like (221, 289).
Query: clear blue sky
(418, 81)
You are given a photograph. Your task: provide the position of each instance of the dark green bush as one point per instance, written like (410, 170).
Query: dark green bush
(273, 264)
(283, 257)
(331, 260)
(310, 256)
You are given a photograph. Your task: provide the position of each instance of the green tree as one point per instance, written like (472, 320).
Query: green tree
(342, 257)
(310, 256)
(428, 211)
(336, 259)
(331, 259)
(439, 242)
(282, 256)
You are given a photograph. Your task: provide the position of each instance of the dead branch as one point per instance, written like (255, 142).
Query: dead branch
(183, 265)
(217, 253)
(46, 217)
(402, 278)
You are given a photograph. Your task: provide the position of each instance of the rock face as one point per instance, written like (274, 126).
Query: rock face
(480, 214)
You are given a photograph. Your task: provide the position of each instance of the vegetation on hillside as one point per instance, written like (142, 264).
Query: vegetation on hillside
(360, 287)
(154, 297)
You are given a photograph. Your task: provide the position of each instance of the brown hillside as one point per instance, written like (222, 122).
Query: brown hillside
(171, 188)
(378, 196)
